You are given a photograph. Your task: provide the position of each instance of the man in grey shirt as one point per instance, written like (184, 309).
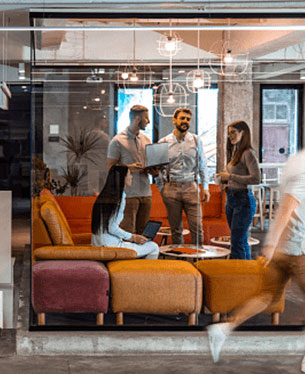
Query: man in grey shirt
(178, 183)
(128, 147)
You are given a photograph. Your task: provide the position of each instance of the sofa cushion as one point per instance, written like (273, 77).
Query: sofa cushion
(61, 252)
(213, 207)
(46, 197)
(55, 224)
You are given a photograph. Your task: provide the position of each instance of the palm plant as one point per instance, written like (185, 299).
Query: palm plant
(80, 145)
(73, 175)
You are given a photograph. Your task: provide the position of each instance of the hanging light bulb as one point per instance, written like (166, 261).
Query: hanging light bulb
(228, 59)
(171, 99)
(134, 77)
(198, 81)
(170, 45)
(124, 75)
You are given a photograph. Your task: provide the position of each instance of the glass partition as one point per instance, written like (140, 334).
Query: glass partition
(85, 77)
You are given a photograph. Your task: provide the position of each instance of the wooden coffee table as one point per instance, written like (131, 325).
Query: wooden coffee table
(198, 253)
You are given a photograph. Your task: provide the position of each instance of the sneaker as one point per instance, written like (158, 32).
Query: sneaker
(303, 365)
(217, 337)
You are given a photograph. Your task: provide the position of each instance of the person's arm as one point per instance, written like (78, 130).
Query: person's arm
(113, 154)
(203, 171)
(282, 217)
(111, 162)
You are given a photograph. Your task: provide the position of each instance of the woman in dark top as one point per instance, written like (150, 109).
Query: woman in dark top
(242, 169)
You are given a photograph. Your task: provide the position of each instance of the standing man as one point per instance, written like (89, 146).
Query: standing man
(128, 147)
(178, 182)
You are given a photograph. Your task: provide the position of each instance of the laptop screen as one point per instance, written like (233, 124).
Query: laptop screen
(151, 229)
(156, 154)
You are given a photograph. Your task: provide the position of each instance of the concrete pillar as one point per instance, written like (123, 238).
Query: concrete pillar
(235, 103)
(6, 263)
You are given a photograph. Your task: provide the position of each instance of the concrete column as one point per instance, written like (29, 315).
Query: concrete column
(6, 263)
(235, 103)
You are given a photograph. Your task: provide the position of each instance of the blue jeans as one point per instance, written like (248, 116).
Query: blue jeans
(240, 209)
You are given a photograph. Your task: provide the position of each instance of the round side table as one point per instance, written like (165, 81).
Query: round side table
(165, 232)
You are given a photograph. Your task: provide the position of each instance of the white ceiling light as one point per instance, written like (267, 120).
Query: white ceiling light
(196, 79)
(133, 72)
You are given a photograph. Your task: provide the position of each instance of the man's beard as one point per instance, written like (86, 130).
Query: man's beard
(184, 129)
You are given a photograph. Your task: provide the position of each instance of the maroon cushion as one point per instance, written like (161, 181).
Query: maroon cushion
(70, 286)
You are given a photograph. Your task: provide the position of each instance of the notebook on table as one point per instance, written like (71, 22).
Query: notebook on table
(156, 155)
(151, 228)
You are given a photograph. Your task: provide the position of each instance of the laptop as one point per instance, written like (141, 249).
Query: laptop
(151, 228)
(156, 155)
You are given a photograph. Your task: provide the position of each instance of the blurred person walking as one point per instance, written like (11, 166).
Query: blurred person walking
(283, 254)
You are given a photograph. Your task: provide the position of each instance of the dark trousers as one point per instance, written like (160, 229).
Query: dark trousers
(240, 209)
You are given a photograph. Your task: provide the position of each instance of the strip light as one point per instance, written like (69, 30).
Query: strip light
(157, 28)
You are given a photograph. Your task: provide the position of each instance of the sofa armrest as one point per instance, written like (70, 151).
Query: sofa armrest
(82, 252)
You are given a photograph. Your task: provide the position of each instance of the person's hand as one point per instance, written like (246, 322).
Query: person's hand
(224, 176)
(267, 254)
(205, 196)
(136, 168)
(135, 165)
(138, 239)
(154, 171)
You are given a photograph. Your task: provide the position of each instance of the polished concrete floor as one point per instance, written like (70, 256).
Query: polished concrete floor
(150, 365)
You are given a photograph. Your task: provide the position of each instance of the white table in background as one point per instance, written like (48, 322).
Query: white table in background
(203, 252)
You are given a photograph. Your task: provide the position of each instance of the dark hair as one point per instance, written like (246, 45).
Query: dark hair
(108, 201)
(136, 110)
(245, 142)
(186, 110)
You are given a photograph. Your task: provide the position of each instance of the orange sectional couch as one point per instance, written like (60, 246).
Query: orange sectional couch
(77, 210)
(56, 236)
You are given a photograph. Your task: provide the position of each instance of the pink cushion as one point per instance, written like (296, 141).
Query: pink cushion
(70, 286)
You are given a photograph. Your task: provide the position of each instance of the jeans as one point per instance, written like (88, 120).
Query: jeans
(240, 209)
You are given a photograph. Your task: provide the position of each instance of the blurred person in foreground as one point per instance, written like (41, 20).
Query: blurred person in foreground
(283, 254)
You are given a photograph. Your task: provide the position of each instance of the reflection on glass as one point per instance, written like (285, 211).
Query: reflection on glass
(134, 96)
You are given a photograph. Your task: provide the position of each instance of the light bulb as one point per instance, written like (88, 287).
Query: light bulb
(171, 99)
(228, 59)
(124, 75)
(134, 77)
(97, 99)
(198, 82)
(170, 45)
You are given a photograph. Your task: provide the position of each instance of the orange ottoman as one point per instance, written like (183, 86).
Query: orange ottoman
(229, 283)
(155, 287)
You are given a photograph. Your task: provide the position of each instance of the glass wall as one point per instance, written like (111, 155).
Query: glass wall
(84, 84)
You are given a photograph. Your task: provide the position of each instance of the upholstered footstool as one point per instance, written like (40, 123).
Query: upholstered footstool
(229, 283)
(70, 286)
(155, 287)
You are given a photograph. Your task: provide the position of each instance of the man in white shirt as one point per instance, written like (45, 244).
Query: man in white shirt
(178, 182)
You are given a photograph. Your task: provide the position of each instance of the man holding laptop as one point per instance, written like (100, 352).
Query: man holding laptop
(128, 147)
(178, 181)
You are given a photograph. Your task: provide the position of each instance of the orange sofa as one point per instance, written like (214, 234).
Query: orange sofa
(77, 210)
